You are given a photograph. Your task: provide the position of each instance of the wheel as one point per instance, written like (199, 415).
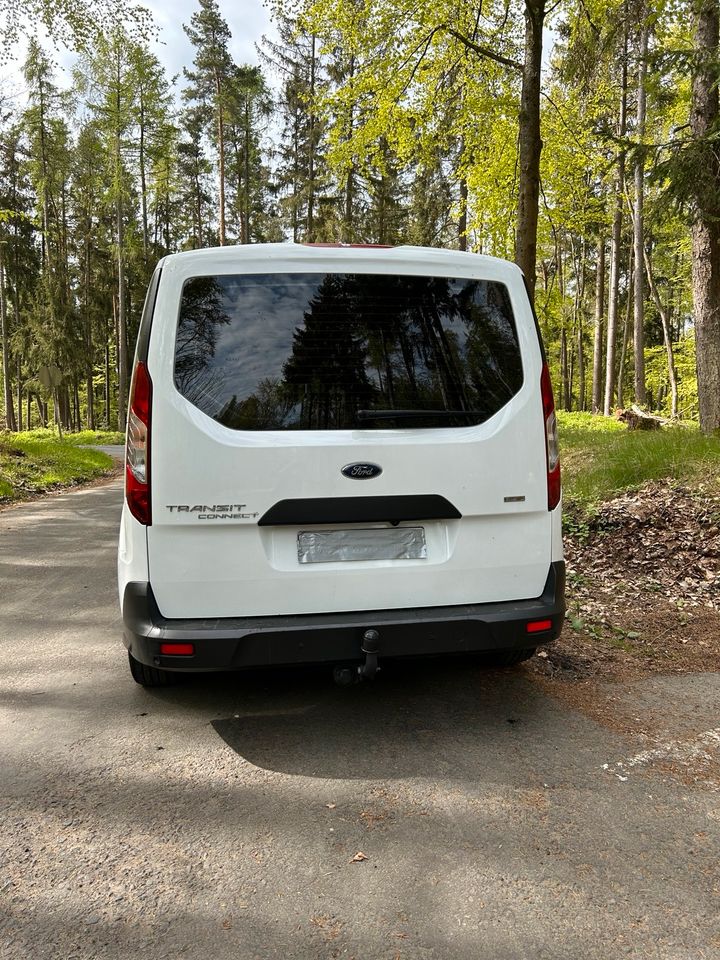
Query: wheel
(508, 658)
(149, 676)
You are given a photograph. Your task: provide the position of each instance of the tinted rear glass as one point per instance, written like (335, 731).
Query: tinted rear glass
(333, 351)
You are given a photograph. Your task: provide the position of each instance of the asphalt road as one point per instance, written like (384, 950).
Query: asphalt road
(219, 818)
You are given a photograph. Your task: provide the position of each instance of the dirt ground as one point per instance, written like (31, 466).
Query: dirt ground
(643, 588)
(643, 602)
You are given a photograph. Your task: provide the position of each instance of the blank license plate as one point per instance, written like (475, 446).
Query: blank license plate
(329, 546)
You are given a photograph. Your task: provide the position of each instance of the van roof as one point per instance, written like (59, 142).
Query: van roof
(209, 258)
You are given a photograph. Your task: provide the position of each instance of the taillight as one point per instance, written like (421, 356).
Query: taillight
(551, 439)
(137, 451)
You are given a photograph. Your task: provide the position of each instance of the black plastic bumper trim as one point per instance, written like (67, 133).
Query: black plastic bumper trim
(359, 510)
(239, 642)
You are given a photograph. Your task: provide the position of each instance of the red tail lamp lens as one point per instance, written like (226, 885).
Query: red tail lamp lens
(537, 626)
(177, 649)
(551, 439)
(137, 451)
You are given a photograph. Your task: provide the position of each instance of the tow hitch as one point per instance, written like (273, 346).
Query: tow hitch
(371, 648)
(345, 676)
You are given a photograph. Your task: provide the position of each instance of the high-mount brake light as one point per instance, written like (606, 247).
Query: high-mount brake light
(137, 456)
(552, 450)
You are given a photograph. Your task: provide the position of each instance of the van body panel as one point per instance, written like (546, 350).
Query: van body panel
(132, 560)
(207, 556)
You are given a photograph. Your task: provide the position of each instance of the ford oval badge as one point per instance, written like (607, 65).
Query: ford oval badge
(361, 471)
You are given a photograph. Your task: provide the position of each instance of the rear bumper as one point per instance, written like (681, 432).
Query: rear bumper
(237, 643)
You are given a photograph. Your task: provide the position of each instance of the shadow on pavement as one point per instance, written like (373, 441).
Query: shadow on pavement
(430, 718)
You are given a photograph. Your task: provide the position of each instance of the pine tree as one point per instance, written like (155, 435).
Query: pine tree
(250, 107)
(301, 171)
(210, 86)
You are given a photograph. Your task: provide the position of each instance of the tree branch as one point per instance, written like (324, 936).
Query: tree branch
(482, 51)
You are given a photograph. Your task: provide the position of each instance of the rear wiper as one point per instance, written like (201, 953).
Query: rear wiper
(415, 414)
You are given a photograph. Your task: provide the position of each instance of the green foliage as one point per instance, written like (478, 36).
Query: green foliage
(685, 368)
(75, 24)
(31, 464)
(390, 122)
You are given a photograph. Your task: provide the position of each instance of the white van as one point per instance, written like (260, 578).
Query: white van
(337, 454)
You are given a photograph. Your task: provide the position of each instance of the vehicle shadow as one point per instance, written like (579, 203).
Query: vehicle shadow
(432, 718)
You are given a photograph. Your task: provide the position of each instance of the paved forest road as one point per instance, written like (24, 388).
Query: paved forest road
(218, 819)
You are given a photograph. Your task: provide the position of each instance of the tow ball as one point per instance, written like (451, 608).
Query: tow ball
(345, 676)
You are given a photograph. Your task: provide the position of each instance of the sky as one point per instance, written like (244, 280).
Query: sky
(248, 21)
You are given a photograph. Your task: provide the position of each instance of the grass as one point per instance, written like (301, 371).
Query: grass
(83, 438)
(31, 464)
(601, 458)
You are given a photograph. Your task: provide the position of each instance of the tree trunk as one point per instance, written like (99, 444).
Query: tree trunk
(107, 382)
(121, 333)
(348, 231)
(614, 293)
(626, 337)
(246, 238)
(667, 336)
(310, 236)
(566, 386)
(143, 179)
(90, 401)
(221, 156)
(598, 330)
(639, 222)
(19, 396)
(706, 220)
(88, 340)
(57, 415)
(120, 234)
(463, 218)
(579, 266)
(7, 380)
(77, 423)
(530, 144)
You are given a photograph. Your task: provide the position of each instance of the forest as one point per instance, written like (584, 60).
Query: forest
(578, 138)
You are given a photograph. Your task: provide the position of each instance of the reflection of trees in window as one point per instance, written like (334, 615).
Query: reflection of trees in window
(437, 310)
(409, 329)
(202, 314)
(493, 356)
(326, 372)
(365, 341)
(267, 408)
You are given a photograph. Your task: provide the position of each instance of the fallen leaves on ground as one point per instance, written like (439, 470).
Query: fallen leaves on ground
(643, 587)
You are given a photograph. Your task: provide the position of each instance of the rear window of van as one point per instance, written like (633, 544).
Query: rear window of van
(331, 351)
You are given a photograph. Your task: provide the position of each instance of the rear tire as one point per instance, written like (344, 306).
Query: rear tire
(149, 676)
(508, 658)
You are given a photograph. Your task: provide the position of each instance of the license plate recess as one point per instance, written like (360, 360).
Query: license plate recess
(373, 543)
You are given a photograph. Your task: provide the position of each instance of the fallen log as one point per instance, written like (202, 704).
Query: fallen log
(638, 419)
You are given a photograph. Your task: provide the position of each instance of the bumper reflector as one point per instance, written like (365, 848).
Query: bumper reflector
(178, 649)
(537, 626)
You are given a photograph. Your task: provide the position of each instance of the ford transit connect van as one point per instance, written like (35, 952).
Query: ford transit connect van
(337, 454)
